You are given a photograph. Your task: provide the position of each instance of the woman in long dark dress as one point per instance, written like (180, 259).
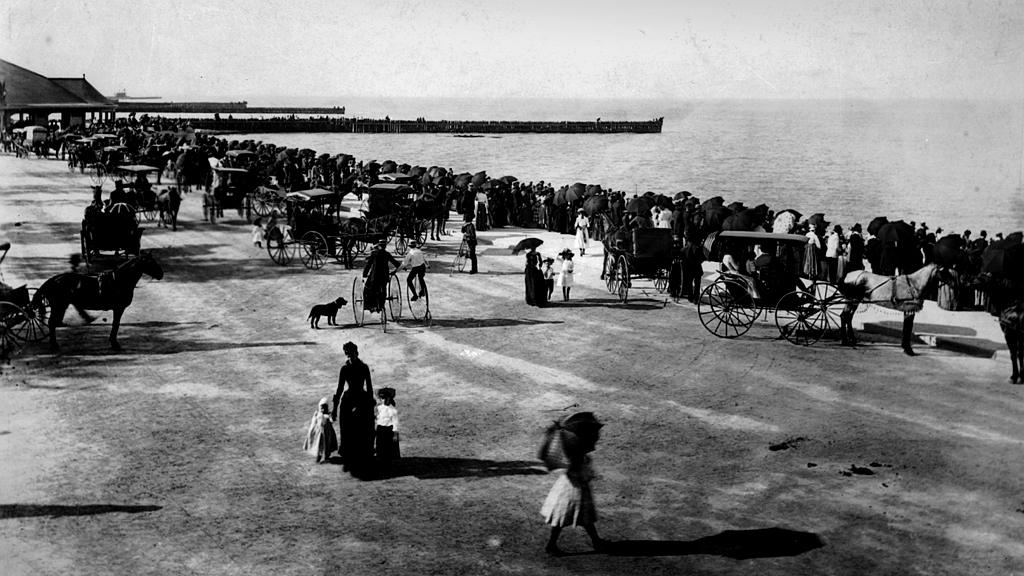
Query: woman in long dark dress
(536, 288)
(353, 406)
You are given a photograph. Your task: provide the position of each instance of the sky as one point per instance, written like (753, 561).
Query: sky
(965, 49)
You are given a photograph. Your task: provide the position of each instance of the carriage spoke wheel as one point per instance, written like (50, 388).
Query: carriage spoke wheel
(11, 316)
(260, 206)
(622, 275)
(609, 274)
(661, 280)
(97, 174)
(149, 214)
(794, 317)
(394, 298)
(36, 326)
(121, 208)
(726, 308)
(357, 300)
(830, 304)
(421, 231)
(314, 250)
(278, 249)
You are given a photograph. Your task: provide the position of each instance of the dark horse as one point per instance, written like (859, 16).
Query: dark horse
(168, 202)
(112, 290)
(1011, 321)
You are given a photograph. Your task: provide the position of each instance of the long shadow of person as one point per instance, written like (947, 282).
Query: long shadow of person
(738, 544)
(426, 468)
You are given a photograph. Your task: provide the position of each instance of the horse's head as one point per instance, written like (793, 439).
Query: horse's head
(148, 265)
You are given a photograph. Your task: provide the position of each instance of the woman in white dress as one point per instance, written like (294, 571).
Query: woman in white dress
(565, 275)
(582, 227)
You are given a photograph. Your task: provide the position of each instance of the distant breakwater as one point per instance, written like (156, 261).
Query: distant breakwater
(388, 126)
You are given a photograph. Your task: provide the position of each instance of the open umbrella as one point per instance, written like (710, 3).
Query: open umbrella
(876, 224)
(949, 251)
(680, 196)
(747, 220)
(526, 244)
(404, 168)
(638, 205)
(479, 178)
(575, 192)
(463, 180)
(898, 232)
(1004, 258)
(508, 179)
(817, 219)
(715, 217)
(570, 437)
(663, 201)
(388, 166)
(712, 202)
(593, 190)
(737, 206)
(595, 205)
(559, 198)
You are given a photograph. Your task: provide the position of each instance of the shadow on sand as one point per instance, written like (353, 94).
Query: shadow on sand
(738, 544)
(427, 468)
(58, 510)
(488, 322)
(645, 304)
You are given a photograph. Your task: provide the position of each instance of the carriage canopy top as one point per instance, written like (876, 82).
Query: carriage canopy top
(137, 168)
(230, 170)
(397, 177)
(316, 194)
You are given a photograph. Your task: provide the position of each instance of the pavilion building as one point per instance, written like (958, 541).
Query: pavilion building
(29, 97)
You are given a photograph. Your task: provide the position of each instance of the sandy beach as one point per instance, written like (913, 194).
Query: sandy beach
(182, 453)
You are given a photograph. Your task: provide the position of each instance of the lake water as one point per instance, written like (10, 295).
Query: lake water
(954, 164)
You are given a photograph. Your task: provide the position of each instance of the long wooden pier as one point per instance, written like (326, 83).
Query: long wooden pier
(388, 126)
(128, 107)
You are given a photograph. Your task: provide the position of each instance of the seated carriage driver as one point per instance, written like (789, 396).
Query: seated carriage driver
(377, 273)
(417, 262)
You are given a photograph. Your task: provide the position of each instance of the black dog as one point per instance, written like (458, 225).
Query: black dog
(329, 310)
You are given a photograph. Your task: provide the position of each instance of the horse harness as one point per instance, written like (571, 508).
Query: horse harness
(910, 303)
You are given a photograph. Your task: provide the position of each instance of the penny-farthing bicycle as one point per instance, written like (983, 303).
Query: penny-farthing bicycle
(392, 301)
(419, 306)
(459, 263)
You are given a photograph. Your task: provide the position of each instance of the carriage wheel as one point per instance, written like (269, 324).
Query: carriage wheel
(830, 304)
(280, 252)
(11, 316)
(357, 300)
(314, 250)
(726, 308)
(622, 276)
(359, 246)
(401, 245)
(260, 206)
(97, 174)
(36, 326)
(149, 214)
(661, 280)
(609, 274)
(794, 317)
(394, 298)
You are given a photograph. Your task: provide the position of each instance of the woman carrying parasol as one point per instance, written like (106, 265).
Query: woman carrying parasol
(570, 502)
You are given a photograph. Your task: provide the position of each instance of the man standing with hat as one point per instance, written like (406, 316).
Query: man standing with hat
(855, 250)
(469, 235)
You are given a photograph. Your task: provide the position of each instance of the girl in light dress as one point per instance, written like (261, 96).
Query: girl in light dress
(386, 438)
(565, 276)
(321, 439)
(571, 501)
(549, 276)
(258, 233)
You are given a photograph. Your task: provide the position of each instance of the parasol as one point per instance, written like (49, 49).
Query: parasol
(463, 180)
(575, 192)
(897, 232)
(593, 190)
(737, 206)
(876, 224)
(526, 244)
(479, 178)
(638, 205)
(388, 166)
(1004, 258)
(712, 202)
(817, 219)
(747, 220)
(948, 251)
(715, 216)
(663, 201)
(508, 179)
(404, 168)
(559, 197)
(571, 437)
(681, 196)
(595, 205)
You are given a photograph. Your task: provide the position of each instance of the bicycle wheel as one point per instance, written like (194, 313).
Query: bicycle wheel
(417, 305)
(459, 263)
(357, 300)
(401, 245)
(394, 298)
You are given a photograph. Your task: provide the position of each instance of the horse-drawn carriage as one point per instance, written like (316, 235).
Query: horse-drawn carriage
(265, 200)
(316, 228)
(390, 209)
(23, 316)
(116, 230)
(641, 253)
(766, 279)
(234, 189)
(139, 195)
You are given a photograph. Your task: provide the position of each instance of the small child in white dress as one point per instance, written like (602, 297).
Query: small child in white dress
(386, 436)
(321, 439)
(258, 233)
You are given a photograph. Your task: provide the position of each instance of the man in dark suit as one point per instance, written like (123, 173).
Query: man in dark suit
(854, 250)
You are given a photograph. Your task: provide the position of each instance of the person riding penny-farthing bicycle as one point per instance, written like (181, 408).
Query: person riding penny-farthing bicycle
(383, 295)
